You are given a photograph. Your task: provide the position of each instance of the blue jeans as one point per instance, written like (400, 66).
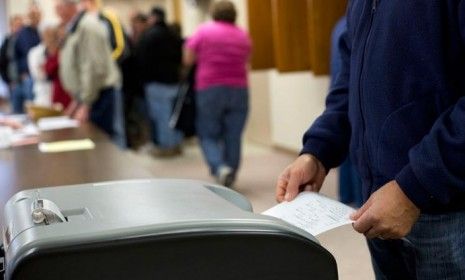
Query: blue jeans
(221, 117)
(435, 249)
(21, 93)
(107, 114)
(160, 100)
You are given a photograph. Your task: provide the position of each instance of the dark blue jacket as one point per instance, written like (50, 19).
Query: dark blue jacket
(399, 100)
(27, 38)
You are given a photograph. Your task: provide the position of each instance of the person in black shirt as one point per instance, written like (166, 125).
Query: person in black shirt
(159, 56)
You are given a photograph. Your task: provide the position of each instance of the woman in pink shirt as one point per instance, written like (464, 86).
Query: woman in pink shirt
(221, 51)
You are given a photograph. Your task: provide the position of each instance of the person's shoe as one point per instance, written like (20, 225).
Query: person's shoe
(225, 176)
(169, 152)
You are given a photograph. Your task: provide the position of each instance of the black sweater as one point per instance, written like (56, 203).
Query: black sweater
(159, 55)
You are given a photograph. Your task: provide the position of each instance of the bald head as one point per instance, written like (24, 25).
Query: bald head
(66, 9)
(34, 15)
(91, 5)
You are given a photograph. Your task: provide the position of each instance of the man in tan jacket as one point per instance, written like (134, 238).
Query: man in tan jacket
(88, 71)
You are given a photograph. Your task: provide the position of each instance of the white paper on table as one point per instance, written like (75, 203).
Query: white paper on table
(313, 212)
(24, 133)
(19, 118)
(67, 146)
(55, 123)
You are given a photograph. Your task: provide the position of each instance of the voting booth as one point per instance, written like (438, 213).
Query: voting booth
(153, 229)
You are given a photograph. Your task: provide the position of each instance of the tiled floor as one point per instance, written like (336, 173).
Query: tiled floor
(260, 168)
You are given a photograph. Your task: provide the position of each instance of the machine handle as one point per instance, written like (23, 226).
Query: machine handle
(46, 212)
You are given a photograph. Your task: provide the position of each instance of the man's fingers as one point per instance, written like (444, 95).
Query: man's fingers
(281, 188)
(355, 216)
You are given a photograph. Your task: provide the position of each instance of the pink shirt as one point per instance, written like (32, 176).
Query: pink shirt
(222, 50)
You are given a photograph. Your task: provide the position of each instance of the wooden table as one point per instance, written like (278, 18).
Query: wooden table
(26, 167)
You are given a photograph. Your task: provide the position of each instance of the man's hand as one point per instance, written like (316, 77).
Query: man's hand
(82, 114)
(305, 174)
(71, 109)
(388, 214)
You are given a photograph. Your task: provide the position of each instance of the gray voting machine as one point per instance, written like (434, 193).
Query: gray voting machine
(153, 229)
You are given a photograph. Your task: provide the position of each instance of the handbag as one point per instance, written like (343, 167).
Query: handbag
(184, 111)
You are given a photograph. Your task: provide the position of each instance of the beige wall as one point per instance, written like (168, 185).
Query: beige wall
(123, 8)
(3, 19)
(297, 99)
(193, 15)
(21, 7)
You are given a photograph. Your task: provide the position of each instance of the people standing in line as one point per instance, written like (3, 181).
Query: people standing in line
(87, 69)
(28, 37)
(159, 56)
(221, 51)
(398, 105)
(8, 66)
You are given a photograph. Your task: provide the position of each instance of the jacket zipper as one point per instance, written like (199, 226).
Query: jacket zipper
(362, 75)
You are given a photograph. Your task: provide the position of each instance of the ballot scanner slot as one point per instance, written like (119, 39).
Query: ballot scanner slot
(80, 214)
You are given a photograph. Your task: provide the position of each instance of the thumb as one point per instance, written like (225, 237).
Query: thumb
(356, 215)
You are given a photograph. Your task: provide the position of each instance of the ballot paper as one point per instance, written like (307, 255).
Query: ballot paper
(66, 146)
(26, 135)
(55, 123)
(313, 212)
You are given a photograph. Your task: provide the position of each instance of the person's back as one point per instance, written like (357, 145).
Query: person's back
(28, 38)
(160, 54)
(223, 50)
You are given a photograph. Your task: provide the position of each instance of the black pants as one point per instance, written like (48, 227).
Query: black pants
(103, 111)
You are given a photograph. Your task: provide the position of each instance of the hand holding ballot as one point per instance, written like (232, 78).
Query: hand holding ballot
(388, 214)
(307, 173)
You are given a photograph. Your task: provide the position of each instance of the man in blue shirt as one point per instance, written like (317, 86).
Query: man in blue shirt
(28, 37)
(398, 105)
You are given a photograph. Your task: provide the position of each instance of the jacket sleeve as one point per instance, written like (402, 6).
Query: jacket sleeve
(117, 34)
(435, 173)
(328, 138)
(4, 60)
(95, 51)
